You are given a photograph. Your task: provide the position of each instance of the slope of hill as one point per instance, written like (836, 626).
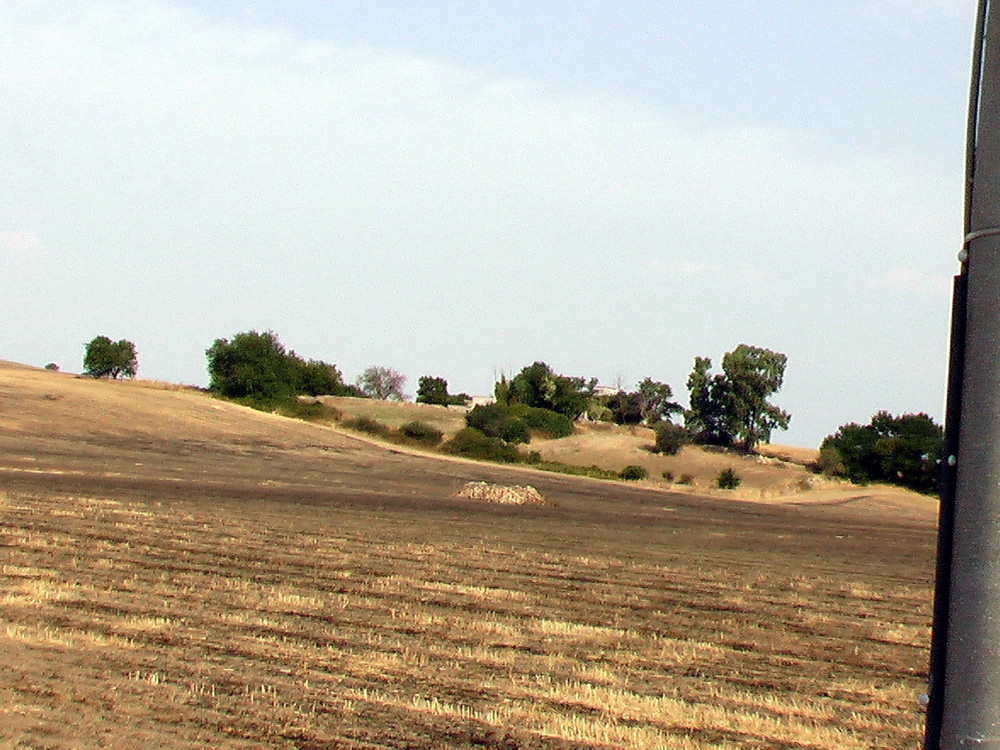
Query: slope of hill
(179, 572)
(780, 474)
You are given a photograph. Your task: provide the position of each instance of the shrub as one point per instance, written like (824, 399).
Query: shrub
(368, 425)
(547, 422)
(902, 450)
(52, 366)
(311, 411)
(670, 438)
(728, 479)
(498, 421)
(316, 378)
(633, 473)
(472, 443)
(686, 479)
(829, 463)
(422, 433)
(668, 475)
(538, 385)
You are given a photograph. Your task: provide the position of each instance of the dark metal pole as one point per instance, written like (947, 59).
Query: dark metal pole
(964, 709)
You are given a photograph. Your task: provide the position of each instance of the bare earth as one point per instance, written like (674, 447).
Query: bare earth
(181, 572)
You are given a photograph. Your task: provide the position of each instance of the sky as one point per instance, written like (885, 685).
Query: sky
(459, 189)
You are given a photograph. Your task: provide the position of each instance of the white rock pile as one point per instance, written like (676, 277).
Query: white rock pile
(516, 494)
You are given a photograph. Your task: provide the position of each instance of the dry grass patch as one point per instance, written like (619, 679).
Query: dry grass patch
(257, 626)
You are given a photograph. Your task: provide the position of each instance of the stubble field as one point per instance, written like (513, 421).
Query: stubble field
(282, 585)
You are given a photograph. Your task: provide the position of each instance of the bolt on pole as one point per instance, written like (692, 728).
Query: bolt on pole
(964, 703)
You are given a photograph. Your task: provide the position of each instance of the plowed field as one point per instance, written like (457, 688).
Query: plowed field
(176, 572)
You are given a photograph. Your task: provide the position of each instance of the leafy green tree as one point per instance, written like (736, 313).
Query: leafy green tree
(733, 406)
(317, 378)
(382, 383)
(901, 450)
(537, 385)
(626, 408)
(752, 376)
(655, 401)
(252, 365)
(431, 390)
(501, 390)
(706, 418)
(650, 403)
(104, 358)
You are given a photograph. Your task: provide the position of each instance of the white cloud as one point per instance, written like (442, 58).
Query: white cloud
(375, 206)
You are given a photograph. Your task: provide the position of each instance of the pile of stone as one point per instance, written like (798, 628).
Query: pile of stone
(516, 494)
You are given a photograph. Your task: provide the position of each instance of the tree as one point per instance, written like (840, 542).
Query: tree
(499, 421)
(431, 390)
(538, 386)
(655, 402)
(706, 417)
(382, 383)
(252, 365)
(733, 406)
(317, 378)
(104, 358)
(626, 408)
(901, 450)
(753, 375)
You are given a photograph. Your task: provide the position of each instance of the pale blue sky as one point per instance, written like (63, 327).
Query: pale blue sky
(458, 189)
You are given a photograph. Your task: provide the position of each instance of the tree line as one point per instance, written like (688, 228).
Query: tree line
(731, 408)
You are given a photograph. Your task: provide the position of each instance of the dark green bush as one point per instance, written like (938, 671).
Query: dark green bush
(668, 475)
(422, 433)
(498, 421)
(472, 443)
(315, 377)
(368, 425)
(633, 473)
(902, 450)
(548, 423)
(515, 422)
(670, 438)
(311, 411)
(728, 479)
(829, 463)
